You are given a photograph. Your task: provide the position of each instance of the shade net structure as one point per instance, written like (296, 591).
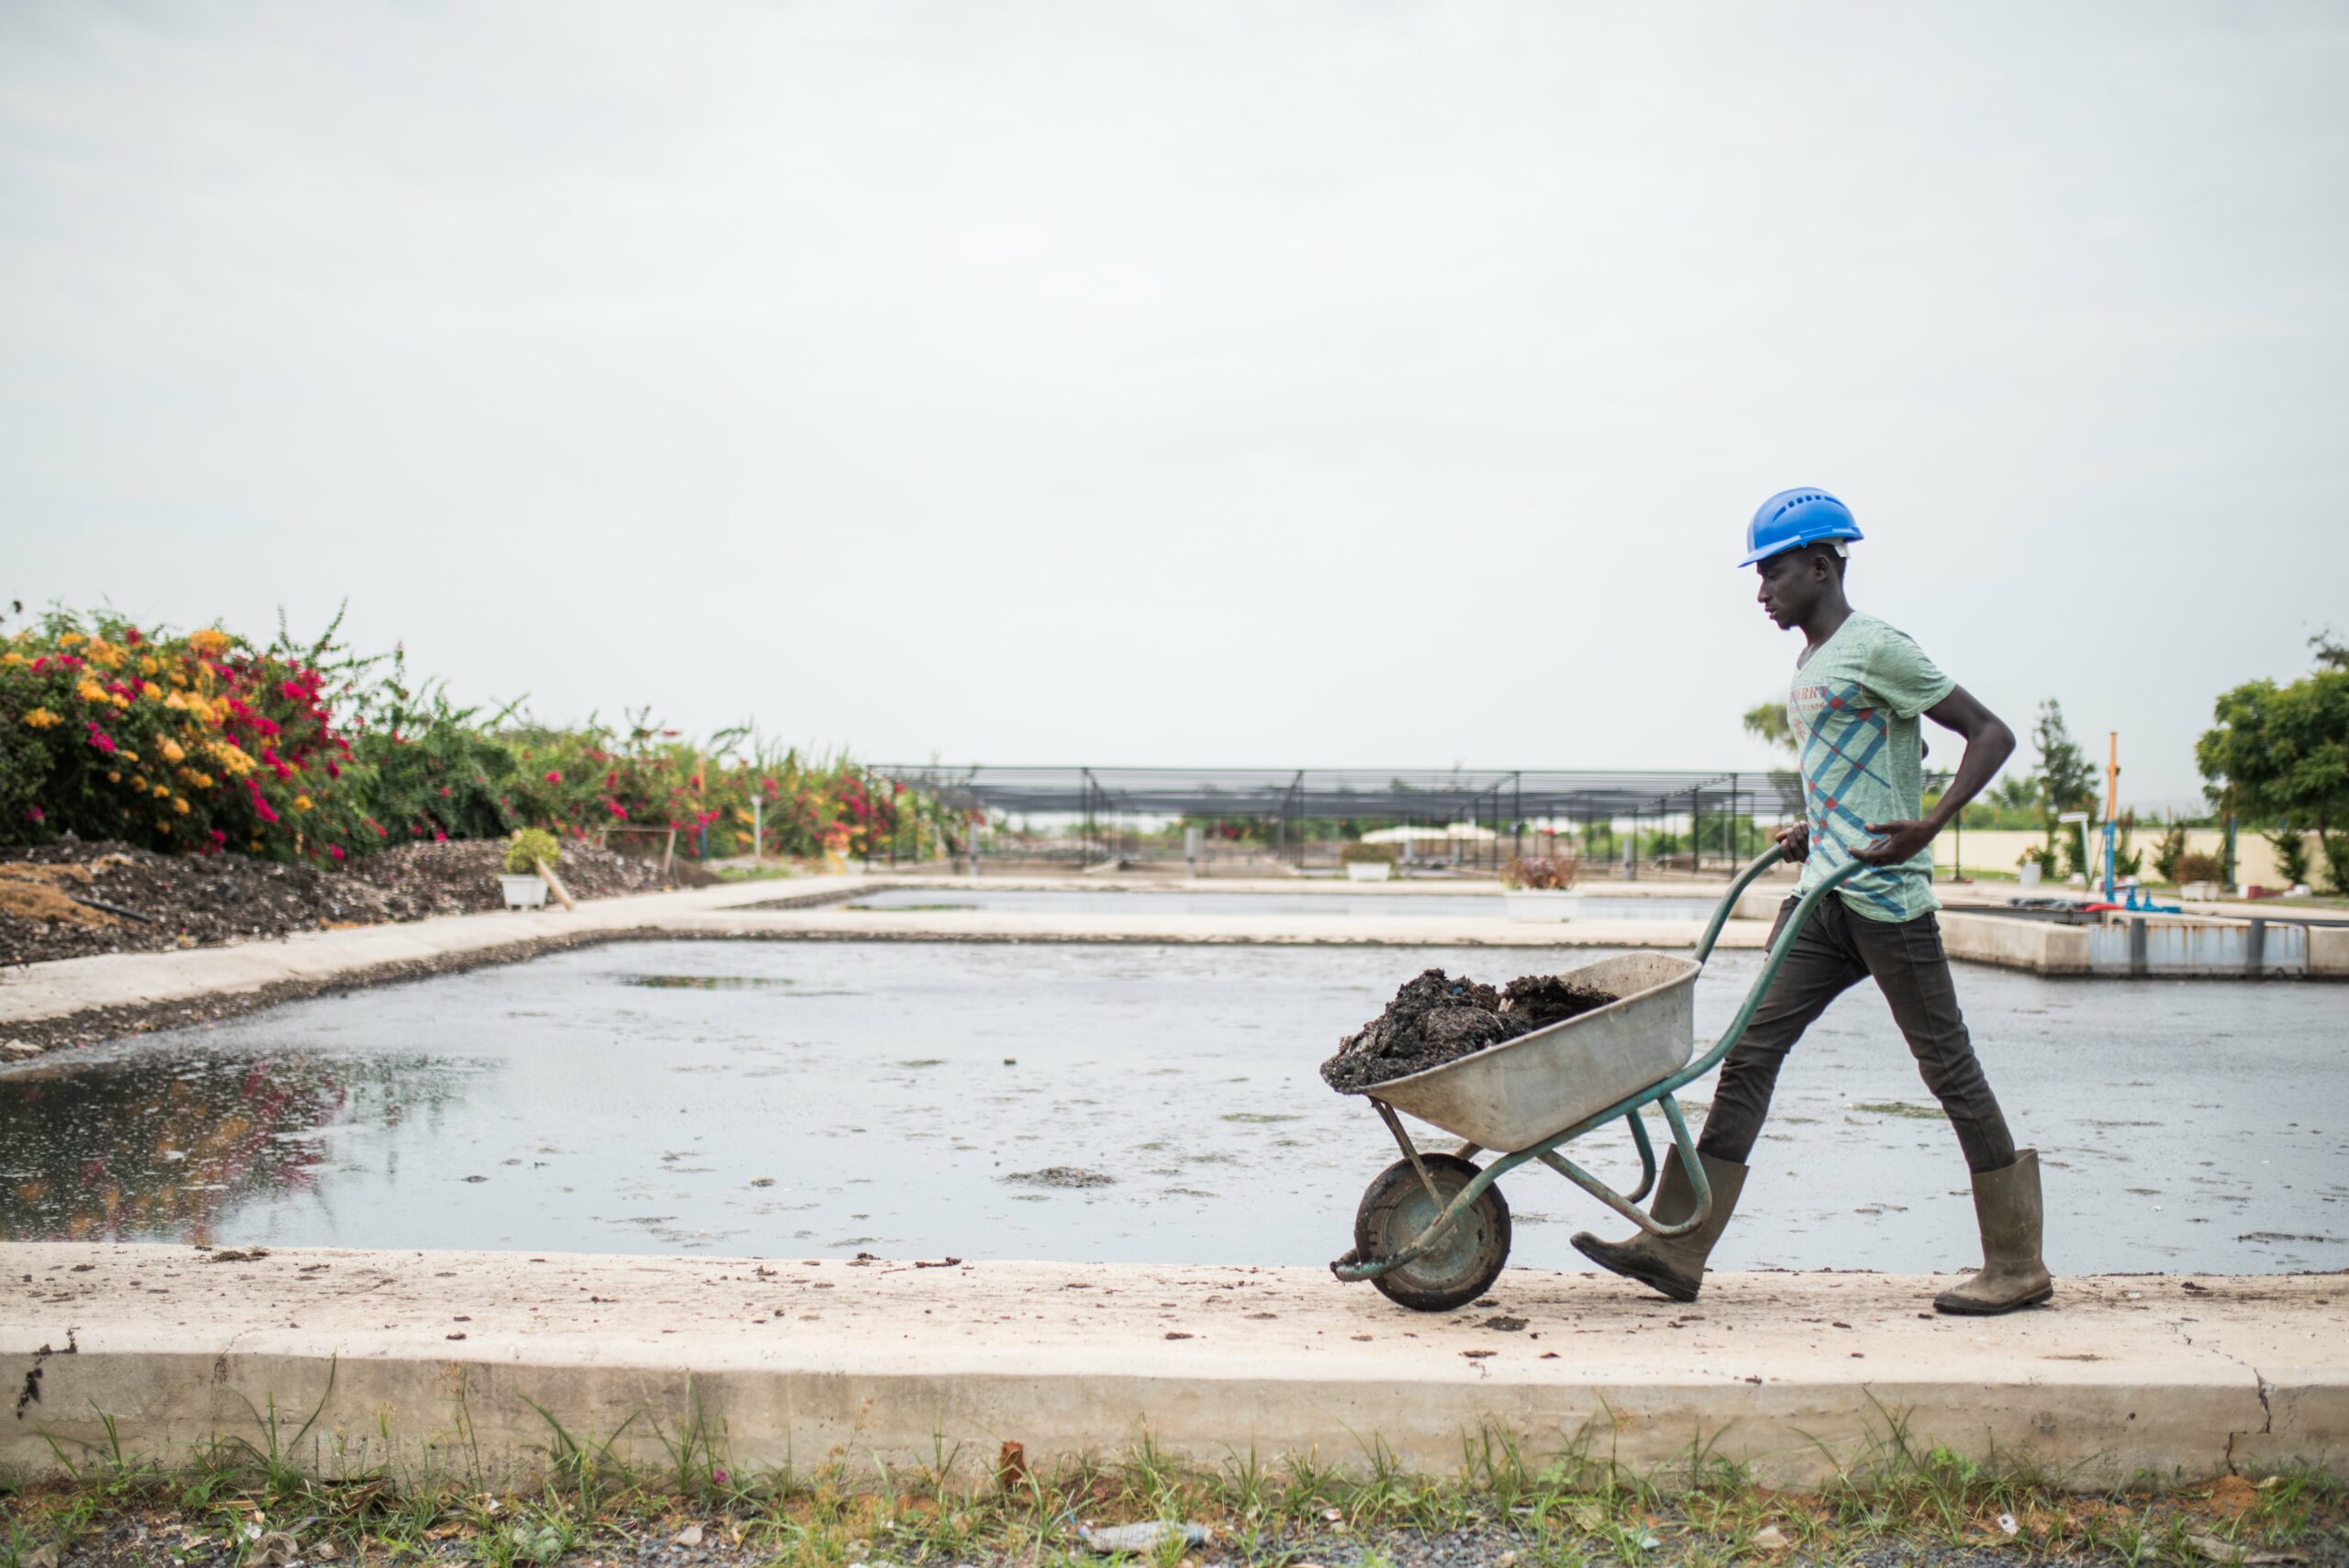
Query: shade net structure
(1637, 820)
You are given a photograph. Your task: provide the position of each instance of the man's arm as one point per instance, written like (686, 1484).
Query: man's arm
(1988, 744)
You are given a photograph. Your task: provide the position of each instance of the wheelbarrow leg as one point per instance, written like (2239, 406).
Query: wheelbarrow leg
(1410, 1149)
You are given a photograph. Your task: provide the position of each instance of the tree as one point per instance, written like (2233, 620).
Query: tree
(2281, 753)
(2066, 780)
(1767, 722)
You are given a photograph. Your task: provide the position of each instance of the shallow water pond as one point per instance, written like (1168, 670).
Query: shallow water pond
(1115, 1102)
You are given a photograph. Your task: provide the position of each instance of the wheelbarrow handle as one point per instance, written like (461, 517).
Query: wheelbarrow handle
(1788, 934)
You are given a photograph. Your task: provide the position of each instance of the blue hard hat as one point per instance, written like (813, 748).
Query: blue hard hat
(1793, 517)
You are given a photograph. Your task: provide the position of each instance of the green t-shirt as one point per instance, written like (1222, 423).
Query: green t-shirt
(1854, 709)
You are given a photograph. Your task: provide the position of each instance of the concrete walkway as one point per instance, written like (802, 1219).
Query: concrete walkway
(802, 1363)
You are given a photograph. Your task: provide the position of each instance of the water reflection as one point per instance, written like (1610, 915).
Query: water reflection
(164, 1148)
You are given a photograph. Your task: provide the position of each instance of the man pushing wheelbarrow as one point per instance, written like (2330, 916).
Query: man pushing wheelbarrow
(1432, 1231)
(1858, 690)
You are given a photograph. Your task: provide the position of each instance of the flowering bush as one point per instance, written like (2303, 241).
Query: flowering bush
(193, 742)
(1541, 874)
(204, 741)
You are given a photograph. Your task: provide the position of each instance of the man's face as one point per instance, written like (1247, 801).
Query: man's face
(1792, 581)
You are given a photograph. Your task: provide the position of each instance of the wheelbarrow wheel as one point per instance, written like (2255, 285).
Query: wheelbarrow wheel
(1463, 1262)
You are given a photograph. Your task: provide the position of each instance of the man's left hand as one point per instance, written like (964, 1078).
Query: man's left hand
(1899, 841)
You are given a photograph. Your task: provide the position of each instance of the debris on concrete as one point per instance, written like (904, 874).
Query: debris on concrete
(1147, 1537)
(1435, 1018)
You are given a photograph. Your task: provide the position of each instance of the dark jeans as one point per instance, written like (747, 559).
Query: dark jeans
(1836, 950)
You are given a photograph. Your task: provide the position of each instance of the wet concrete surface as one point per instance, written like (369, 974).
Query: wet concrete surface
(1595, 906)
(796, 1099)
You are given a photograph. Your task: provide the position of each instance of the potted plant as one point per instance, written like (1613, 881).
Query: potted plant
(1367, 863)
(1542, 887)
(525, 888)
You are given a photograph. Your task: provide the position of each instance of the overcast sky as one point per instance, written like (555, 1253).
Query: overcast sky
(1367, 383)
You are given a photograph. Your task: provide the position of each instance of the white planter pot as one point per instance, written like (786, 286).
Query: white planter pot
(2029, 873)
(1369, 871)
(1546, 903)
(524, 892)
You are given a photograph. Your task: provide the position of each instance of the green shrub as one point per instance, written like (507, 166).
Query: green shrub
(2168, 853)
(2291, 854)
(1367, 854)
(530, 846)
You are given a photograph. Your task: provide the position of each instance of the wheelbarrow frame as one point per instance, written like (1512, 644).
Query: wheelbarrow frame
(1660, 1095)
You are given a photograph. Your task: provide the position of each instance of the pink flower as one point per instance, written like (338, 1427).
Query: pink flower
(335, 849)
(100, 738)
(440, 836)
(554, 775)
(35, 814)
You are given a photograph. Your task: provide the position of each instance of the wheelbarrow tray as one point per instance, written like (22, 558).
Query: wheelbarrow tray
(1514, 1095)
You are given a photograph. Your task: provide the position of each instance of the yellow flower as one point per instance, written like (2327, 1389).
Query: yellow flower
(118, 699)
(90, 691)
(41, 718)
(114, 776)
(179, 805)
(154, 692)
(171, 750)
(12, 657)
(139, 781)
(100, 651)
(211, 641)
(301, 803)
(129, 756)
(69, 639)
(162, 790)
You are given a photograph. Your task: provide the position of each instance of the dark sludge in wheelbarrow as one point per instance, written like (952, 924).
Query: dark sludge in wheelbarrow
(1436, 1018)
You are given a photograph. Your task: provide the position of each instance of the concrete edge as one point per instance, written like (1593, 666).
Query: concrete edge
(484, 1416)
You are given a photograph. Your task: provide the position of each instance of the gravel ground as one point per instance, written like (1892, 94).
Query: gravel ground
(678, 1544)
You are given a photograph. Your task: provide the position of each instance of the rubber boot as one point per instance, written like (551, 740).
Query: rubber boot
(1672, 1264)
(2007, 1207)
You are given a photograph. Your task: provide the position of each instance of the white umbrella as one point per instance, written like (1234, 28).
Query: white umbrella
(1404, 836)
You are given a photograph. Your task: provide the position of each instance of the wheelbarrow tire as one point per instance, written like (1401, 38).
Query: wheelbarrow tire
(1462, 1265)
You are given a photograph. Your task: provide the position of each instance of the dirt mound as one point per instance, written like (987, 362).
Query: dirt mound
(72, 898)
(460, 876)
(1435, 1018)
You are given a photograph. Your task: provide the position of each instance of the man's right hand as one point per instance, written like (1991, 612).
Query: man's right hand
(1796, 842)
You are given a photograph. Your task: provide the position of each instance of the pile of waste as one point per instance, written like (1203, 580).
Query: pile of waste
(1436, 1018)
(77, 897)
(460, 876)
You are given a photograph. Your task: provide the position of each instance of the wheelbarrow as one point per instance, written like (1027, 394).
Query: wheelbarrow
(1432, 1233)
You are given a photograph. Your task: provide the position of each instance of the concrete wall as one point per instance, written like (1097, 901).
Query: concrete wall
(1999, 850)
